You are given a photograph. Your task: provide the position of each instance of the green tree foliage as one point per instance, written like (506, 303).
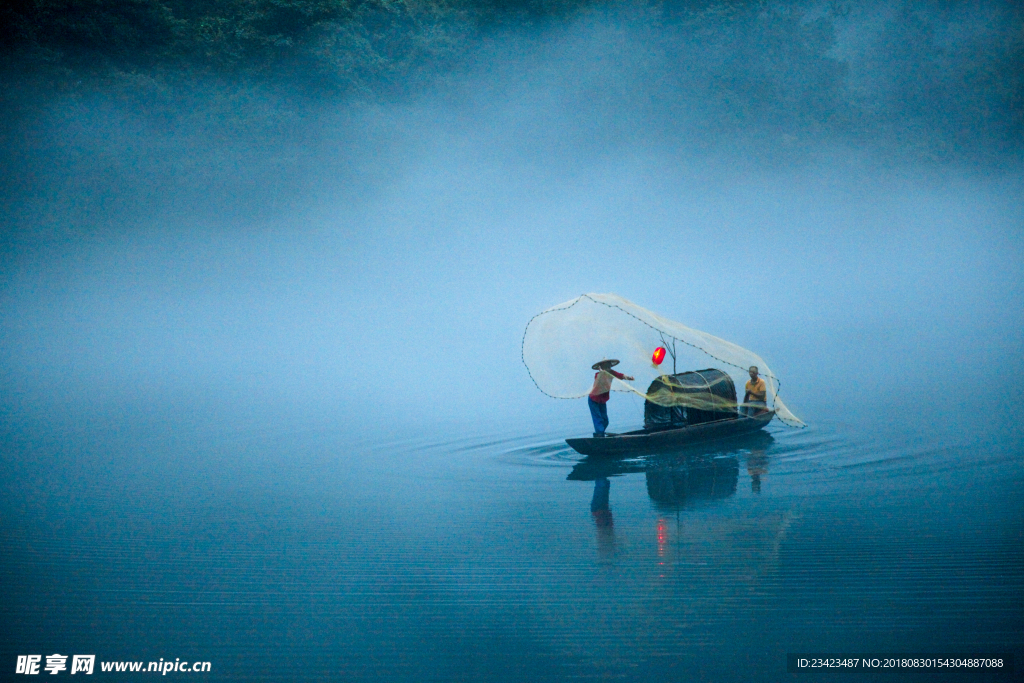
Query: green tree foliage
(339, 45)
(344, 43)
(733, 68)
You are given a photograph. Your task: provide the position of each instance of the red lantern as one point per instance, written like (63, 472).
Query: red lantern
(659, 355)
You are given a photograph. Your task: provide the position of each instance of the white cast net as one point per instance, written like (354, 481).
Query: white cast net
(562, 343)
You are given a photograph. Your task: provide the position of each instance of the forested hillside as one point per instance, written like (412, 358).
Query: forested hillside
(321, 45)
(937, 80)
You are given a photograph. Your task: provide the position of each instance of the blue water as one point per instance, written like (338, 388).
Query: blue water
(280, 551)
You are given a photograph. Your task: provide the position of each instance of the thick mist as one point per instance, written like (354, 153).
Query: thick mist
(369, 265)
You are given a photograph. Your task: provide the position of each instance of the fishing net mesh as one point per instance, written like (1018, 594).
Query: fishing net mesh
(562, 343)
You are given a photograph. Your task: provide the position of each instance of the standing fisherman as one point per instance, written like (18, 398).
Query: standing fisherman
(599, 395)
(754, 396)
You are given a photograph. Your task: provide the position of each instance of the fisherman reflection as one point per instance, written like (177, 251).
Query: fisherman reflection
(603, 518)
(757, 464)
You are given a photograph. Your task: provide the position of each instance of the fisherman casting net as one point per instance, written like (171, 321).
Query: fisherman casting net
(562, 343)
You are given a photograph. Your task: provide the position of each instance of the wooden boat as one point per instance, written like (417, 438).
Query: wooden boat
(696, 455)
(653, 441)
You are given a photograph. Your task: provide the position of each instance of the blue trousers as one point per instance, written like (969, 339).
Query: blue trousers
(599, 412)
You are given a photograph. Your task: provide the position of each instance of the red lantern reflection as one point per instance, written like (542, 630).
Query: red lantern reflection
(659, 355)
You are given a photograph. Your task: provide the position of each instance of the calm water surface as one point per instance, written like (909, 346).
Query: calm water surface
(283, 553)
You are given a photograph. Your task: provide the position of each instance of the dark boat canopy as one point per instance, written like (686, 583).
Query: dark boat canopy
(689, 398)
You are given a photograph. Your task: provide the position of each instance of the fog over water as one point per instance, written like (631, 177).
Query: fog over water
(311, 263)
(184, 267)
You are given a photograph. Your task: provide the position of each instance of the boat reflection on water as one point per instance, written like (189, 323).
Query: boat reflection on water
(683, 481)
(676, 481)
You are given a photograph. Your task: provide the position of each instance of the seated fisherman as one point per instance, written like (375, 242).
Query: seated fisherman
(600, 393)
(754, 400)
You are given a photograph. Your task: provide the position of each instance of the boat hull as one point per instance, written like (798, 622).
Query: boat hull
(643, 441)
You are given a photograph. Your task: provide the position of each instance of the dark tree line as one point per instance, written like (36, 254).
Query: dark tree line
(324, 44)
(739, 65)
